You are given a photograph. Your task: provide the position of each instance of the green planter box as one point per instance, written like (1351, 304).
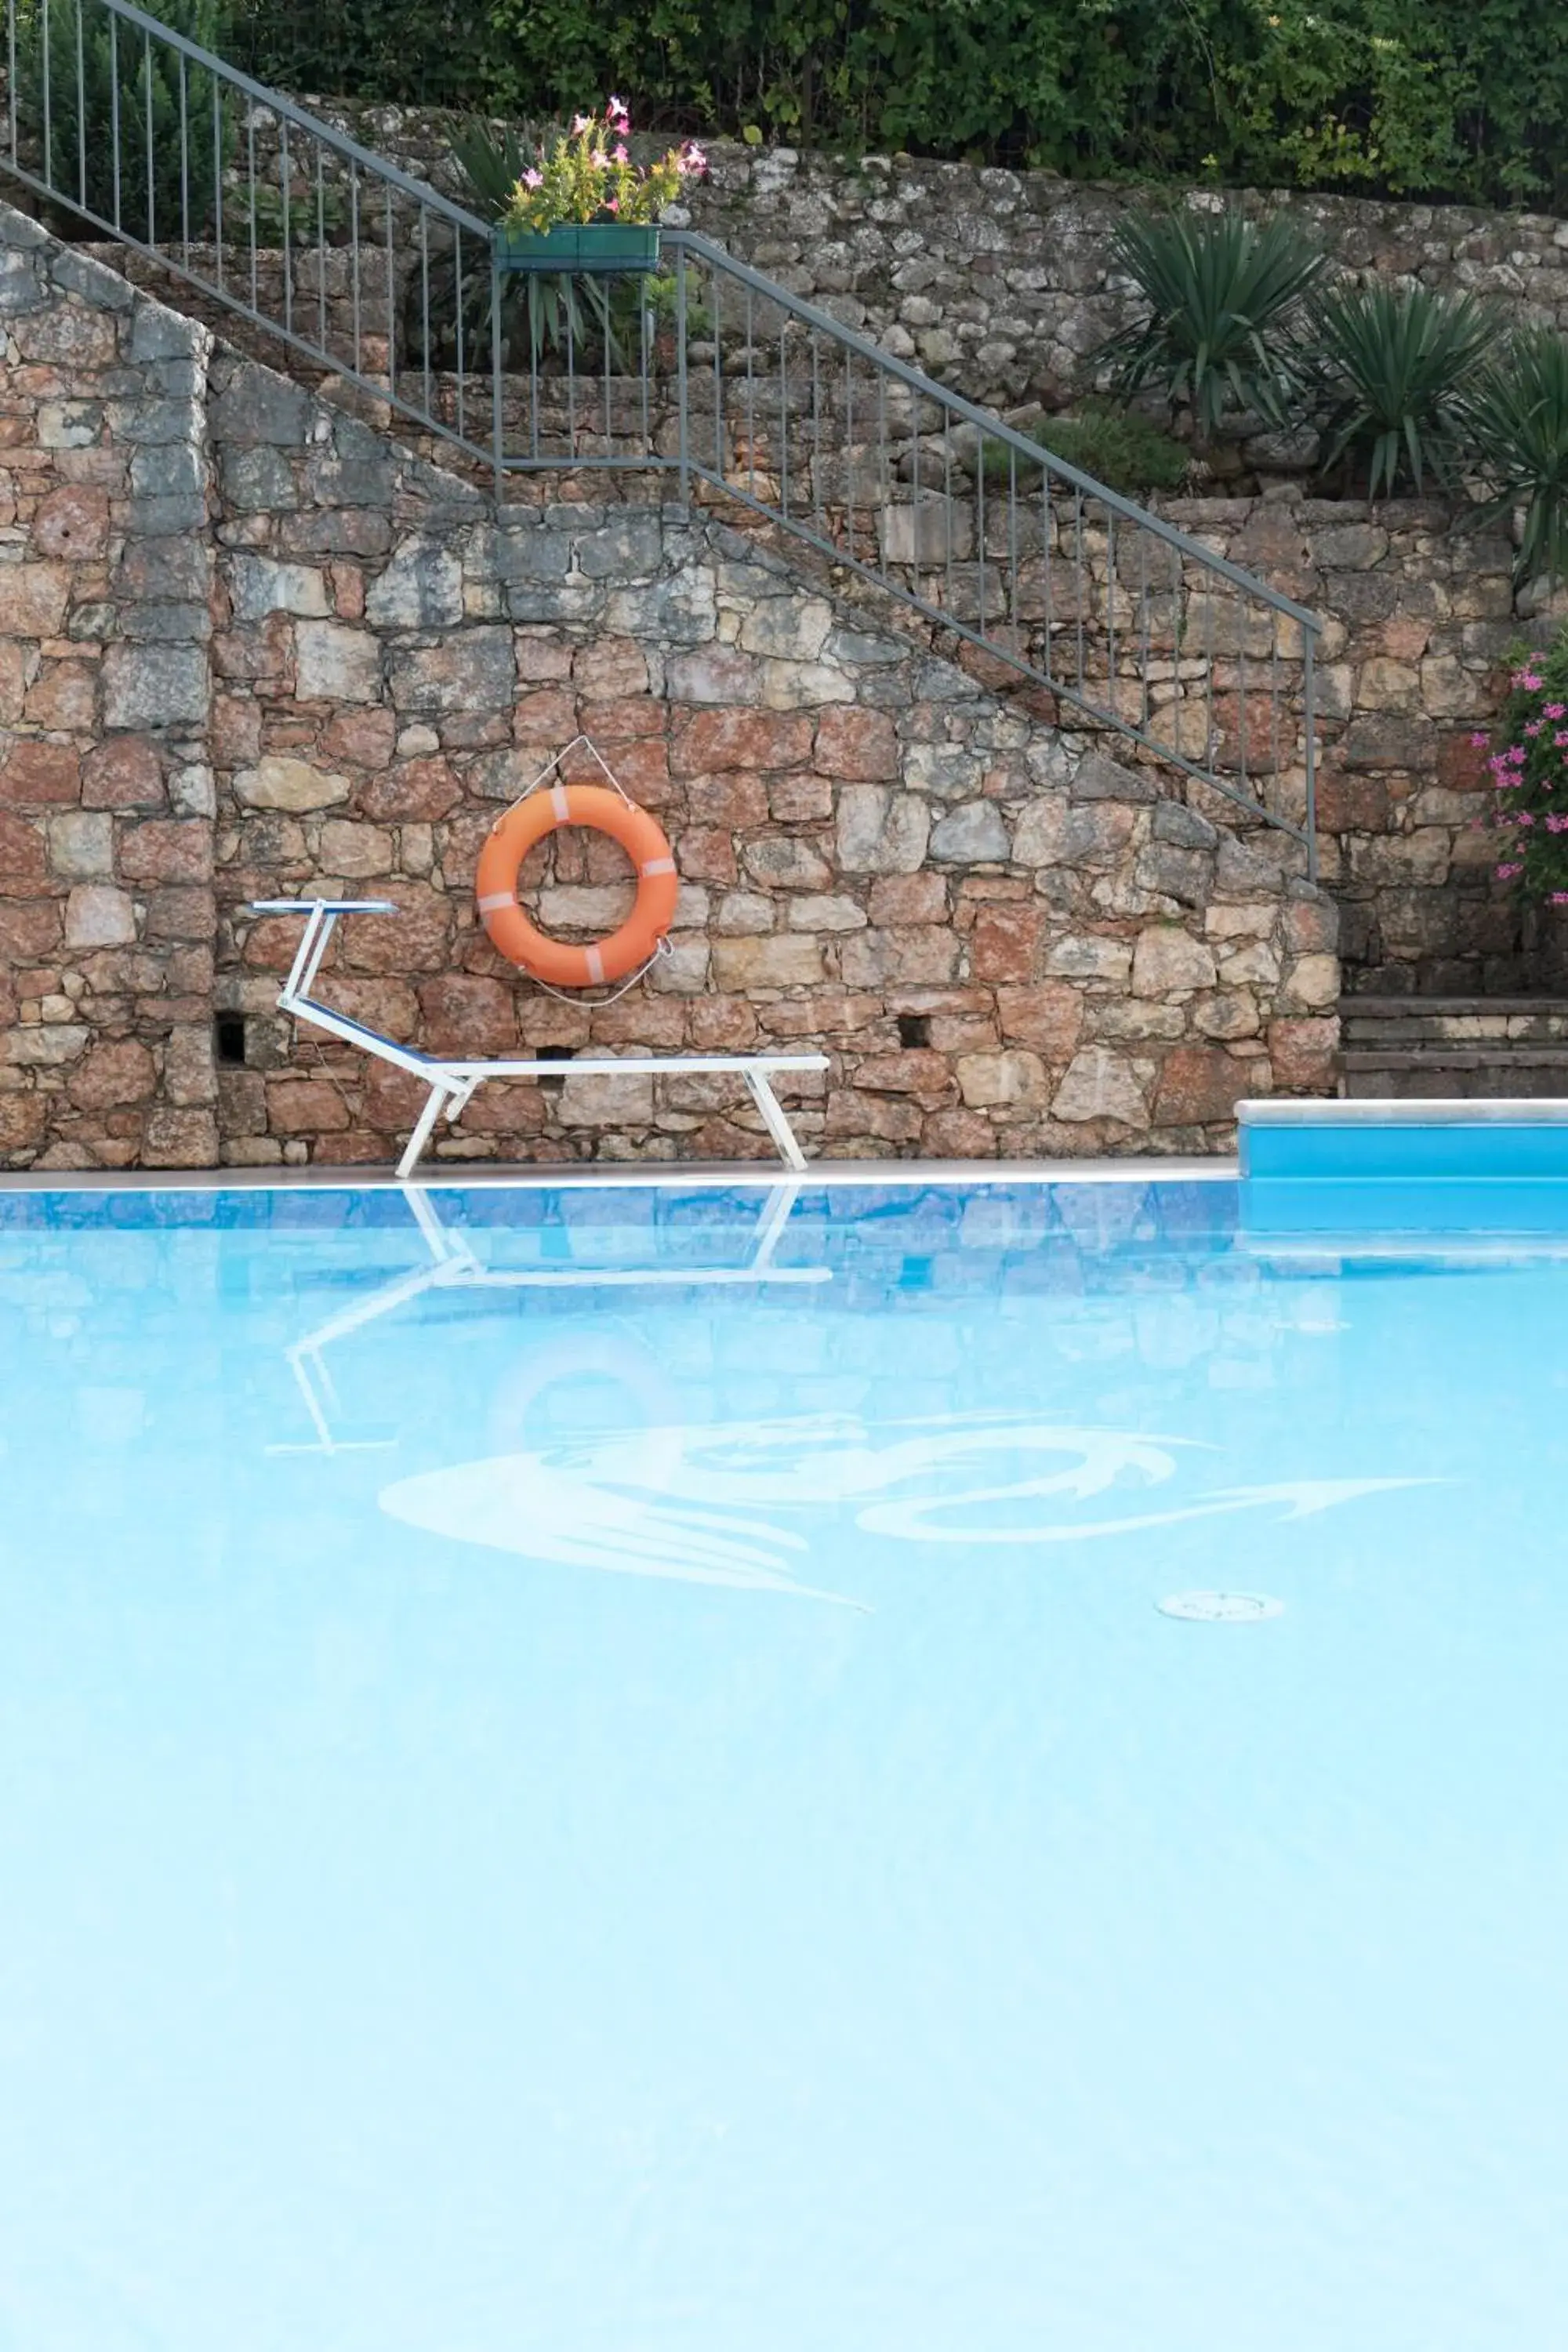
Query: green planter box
(591, 248)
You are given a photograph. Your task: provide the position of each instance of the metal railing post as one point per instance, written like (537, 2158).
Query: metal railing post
(684, 458)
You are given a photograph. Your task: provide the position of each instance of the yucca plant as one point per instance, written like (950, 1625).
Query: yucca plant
(1517, 418)
(1223, 296)
(1394, 367)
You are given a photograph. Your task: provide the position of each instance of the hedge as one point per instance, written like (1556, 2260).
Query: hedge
(1463, 99)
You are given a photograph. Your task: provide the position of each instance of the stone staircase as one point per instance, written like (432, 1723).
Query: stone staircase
(1426, 1047)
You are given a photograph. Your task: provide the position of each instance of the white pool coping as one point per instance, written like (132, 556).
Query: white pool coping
(629, 1175)
(1367, 1110)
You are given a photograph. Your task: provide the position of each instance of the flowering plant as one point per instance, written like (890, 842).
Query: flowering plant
(1527, 759)
(587, 174)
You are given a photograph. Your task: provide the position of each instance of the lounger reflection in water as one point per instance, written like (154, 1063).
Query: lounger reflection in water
(539, 1503)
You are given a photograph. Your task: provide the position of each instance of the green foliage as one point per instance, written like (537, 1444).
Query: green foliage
(540, 314)
(1222, 295)
(1527, 749)
(1394, 367)
(1517, 418)
(1114, 446)
(99, 71)
(1459, 98)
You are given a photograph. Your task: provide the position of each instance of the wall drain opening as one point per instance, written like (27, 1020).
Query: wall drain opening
(1221, 1608)
(229, 1040)
(914, 1029)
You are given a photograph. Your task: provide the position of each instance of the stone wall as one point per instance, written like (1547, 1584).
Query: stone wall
(1006, 941)
(106, 793)
(999, 283)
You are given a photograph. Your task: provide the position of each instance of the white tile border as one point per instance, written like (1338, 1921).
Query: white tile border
(685, 1175)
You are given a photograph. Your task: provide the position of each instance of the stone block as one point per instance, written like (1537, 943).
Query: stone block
(605, 1101)
(277, 781)
(113, 1075)
(473, 670)
(48, 1047)
(929, 534)
(124, 771)
(881, 831)
(256, 405)
(335, 663)
(421, 588)
(1016, 1078)
(714, 673)
(154, 686)
(856, 746)
(32, 599)
(781, 960)
(411, 792)
(1099, 1084)
(1005, 944)
(971, 834)
(714, 740)
(1088, 957)
(1047, 1014)
(71, 523)
(1097, 777)
(99, 916)
(826, 913)
(787, 628)
(782, 862)
(1305, 1054)
(23, 868)
(81, 847)
(172, 849)
(1199, 1085)
(35, 775)
(1167, 962)
(257, 585)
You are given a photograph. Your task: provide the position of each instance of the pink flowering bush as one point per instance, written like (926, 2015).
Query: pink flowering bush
(1528, 761)
(587, 174)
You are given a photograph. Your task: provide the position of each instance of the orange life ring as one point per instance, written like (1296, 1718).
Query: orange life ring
(510, 839)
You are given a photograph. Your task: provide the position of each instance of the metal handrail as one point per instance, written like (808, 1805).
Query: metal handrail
(1003, 546)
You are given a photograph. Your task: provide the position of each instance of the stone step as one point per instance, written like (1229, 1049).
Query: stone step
(1445, 1072)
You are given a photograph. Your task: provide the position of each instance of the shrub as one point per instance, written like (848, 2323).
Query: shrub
(1527, 759)
(1115, 446)
(97, 67)
(1222, 296)
(1517, 416)
(1395, 366)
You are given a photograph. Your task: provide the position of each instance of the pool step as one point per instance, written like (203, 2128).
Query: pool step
(1423, 1048)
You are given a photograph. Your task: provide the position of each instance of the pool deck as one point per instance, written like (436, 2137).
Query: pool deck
(694, 1173)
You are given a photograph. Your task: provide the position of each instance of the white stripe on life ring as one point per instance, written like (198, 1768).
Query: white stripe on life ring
(488, 906)
(595, 963)
(659, 865)
(559, 803)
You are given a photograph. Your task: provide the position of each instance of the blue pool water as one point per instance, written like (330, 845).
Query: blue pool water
(660, 1812)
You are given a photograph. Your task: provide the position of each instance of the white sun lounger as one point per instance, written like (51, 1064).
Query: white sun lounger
(452, 1083)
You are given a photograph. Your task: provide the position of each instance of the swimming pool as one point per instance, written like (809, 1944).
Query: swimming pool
(605, 1768)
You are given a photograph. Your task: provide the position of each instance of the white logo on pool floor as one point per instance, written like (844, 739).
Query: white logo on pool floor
(699, 1504)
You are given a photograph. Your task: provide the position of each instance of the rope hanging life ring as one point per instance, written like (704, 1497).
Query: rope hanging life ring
(555, 960)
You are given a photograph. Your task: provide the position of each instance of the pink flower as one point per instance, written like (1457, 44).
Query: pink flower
(534, 179)
(616, 110)
(612, 204)
(1555, 711)
(621, 155)
(1528, 680)
(1561, 739)
(1525, 817)
(1560, 898)
(1481, 741)
(581, 122)
(1506, 874)
(1533, 727)
(693, 158)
